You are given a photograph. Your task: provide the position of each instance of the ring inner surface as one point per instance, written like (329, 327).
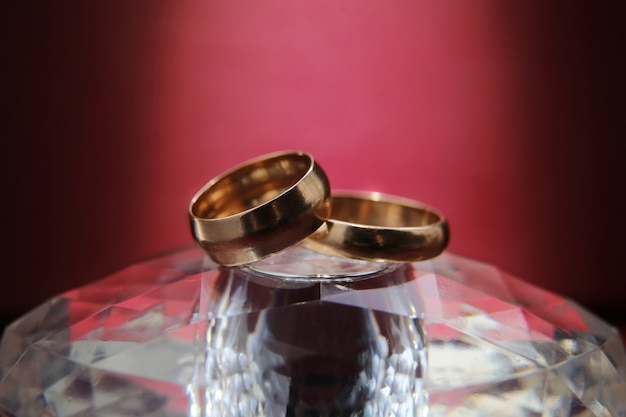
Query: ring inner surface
(380, 213)
(251, 186)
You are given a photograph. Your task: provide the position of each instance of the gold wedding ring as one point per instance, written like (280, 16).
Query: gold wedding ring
(380, 227)
(260, 207)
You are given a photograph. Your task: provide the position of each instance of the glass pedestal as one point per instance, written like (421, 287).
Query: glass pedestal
(302, 334)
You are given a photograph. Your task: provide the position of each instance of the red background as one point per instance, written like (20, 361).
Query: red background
(507, 116)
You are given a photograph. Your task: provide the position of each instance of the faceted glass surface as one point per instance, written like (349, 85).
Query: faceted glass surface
(300, 334)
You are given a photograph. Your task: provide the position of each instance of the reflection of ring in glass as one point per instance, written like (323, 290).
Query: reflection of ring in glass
(380, 227)
(260, 207)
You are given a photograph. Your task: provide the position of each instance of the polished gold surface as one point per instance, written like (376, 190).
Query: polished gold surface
(260, 207)
(380, 227)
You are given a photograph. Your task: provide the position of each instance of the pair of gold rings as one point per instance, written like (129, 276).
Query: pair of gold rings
(282, 199)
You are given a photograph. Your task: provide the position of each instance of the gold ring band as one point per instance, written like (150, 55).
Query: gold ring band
(260, 207)
(380, 227)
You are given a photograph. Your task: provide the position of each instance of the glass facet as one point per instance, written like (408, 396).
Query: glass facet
(302, 334)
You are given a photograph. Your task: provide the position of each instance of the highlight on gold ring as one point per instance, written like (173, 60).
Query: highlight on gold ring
(380, 227)
(260, 207)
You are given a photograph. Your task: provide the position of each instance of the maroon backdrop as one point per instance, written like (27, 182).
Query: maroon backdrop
(508, 116)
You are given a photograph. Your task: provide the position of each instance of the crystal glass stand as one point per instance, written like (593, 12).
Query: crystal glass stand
(301, 334)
